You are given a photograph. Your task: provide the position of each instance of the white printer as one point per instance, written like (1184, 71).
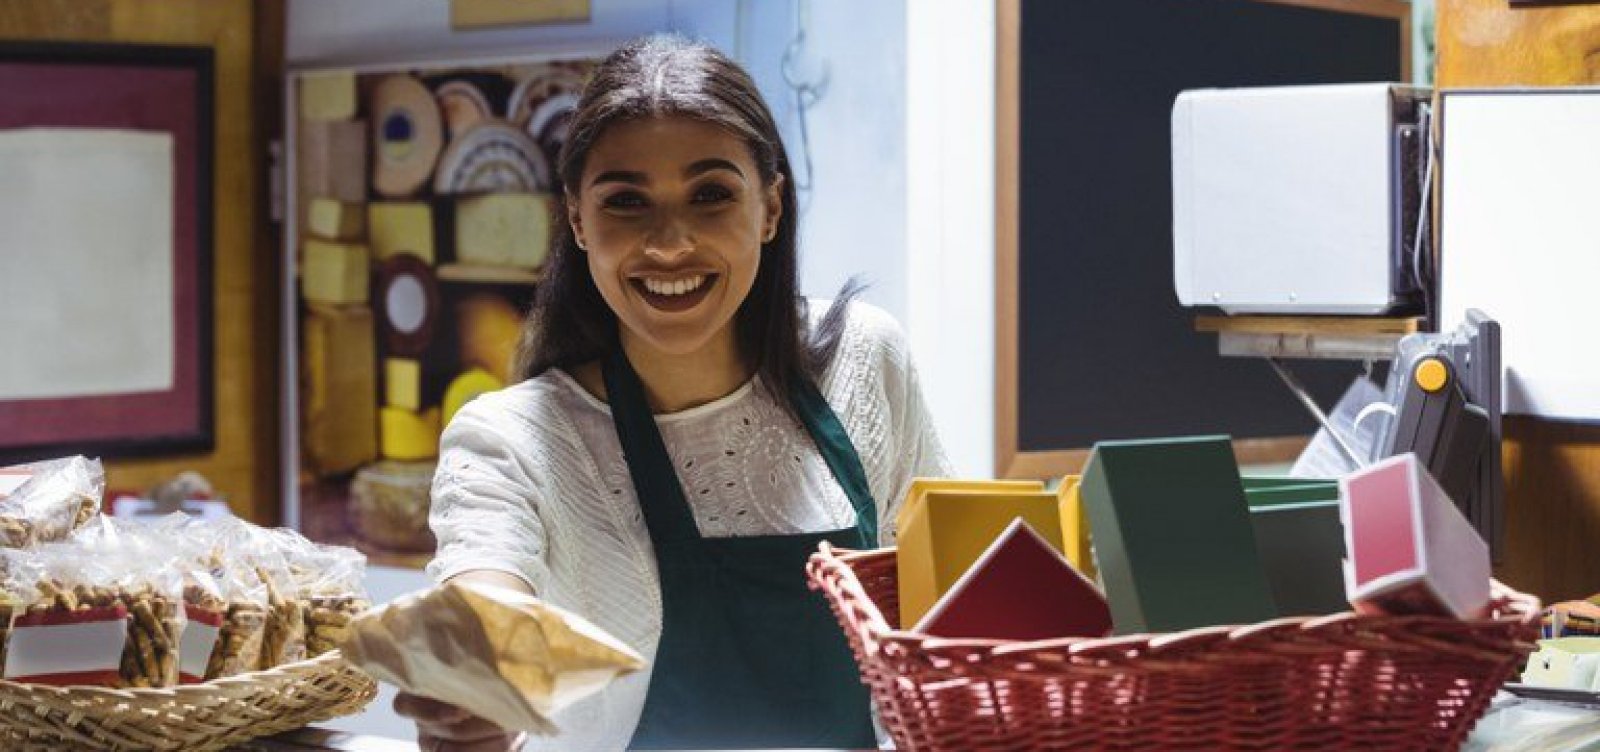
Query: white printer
(1301, 199)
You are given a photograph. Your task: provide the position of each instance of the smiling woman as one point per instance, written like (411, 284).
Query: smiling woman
(687, 432)
(674, 242)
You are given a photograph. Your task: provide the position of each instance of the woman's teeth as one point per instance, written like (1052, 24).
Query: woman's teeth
(675, 287)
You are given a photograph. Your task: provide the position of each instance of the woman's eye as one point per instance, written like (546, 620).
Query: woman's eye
(712, 194)
(624, 200)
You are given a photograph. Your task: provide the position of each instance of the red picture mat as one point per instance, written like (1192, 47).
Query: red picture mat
(142, 88)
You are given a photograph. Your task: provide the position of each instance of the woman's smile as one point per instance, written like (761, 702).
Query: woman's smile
(674, 293)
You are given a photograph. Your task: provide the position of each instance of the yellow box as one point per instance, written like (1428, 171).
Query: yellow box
(402, 383)
(407, 435)
(949, 530)
(1075, 527)
(328, 96)
(400, 227)
(503, 229)
(921, 486)
(340, 402)
(331, 219)
(334, 273)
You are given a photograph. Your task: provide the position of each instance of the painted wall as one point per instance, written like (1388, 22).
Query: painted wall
(949, 219)
(244, 463)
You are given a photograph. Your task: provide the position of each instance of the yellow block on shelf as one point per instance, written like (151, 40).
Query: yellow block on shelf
(332, 219)
(408, 435)
(503, 229)
(402, 383)
(341, 389)
(921, 486)
(1075, 527)
(400, 227)
(328, 95)
(949, 530)
(334, 273)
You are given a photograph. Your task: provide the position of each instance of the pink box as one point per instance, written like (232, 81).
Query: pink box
(1408, 548)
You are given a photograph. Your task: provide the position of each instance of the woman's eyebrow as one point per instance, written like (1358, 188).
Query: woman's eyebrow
(713, 163)
(632, 177)
(620, 176)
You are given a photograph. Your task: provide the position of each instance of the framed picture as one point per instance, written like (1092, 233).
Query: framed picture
(422, 205)
(105, 250)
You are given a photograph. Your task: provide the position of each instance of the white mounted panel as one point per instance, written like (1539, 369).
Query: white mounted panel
(1520, 237)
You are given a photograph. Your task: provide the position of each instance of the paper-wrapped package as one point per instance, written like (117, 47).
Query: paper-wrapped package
(497, 653)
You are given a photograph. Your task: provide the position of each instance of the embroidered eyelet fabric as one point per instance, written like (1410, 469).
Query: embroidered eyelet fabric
(531, 481)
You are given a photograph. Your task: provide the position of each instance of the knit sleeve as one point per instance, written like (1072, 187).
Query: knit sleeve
(917, 452)
(486, 500)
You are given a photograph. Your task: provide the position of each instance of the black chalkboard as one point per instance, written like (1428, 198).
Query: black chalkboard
(1104, 349)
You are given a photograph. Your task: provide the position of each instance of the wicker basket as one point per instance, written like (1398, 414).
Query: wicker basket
(1336, 682)
(193, 718)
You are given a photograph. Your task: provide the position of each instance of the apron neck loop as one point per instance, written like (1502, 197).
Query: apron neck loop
(655, 480)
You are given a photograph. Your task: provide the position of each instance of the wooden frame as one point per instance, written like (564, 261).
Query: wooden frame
(66, 85)
(1010, 460)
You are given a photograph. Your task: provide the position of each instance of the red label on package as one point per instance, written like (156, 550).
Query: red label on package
(66, 648)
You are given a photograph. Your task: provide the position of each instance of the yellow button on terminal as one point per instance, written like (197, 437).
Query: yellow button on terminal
(1432, 375)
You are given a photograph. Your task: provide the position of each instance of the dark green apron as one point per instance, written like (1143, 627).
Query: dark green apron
(749, 657)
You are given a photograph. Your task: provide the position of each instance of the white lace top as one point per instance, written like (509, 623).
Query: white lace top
(531, 481)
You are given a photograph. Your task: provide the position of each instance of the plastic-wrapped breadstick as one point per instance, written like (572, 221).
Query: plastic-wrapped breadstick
(224, 598)
(45, 501)
(330, 580)
(101, 611)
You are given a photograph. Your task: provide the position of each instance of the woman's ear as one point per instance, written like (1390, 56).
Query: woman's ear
(576, 220)
(774, 205)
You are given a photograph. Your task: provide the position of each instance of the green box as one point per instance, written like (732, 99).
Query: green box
(1302, 548)
(1173, 535)
(1261, 491)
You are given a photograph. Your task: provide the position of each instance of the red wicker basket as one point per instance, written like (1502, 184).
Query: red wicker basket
(1335, 682)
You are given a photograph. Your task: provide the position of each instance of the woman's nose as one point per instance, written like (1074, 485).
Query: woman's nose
(668, 241)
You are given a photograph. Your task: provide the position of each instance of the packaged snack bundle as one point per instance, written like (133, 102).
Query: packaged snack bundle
(12, 599)
(258, 566)
(330, 582)
(43, 502)
(335, 598)
(224, 598)
(104, 610)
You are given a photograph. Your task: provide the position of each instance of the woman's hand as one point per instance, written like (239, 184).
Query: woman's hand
(442, 727)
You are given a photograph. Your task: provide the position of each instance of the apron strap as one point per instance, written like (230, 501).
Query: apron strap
(840, 454)
(654, 478)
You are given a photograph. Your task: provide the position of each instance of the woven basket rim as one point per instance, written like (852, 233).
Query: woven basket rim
(1511, 608)
(332, 660)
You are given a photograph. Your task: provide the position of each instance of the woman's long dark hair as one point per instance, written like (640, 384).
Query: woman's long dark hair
(660, 76)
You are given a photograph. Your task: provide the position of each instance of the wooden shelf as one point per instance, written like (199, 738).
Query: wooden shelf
(1312, 325)
(489, 275)
(1365, 338)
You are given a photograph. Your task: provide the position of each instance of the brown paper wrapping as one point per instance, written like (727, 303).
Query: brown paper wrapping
(502, 655)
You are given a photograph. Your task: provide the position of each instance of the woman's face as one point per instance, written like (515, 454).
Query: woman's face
(672, 214)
